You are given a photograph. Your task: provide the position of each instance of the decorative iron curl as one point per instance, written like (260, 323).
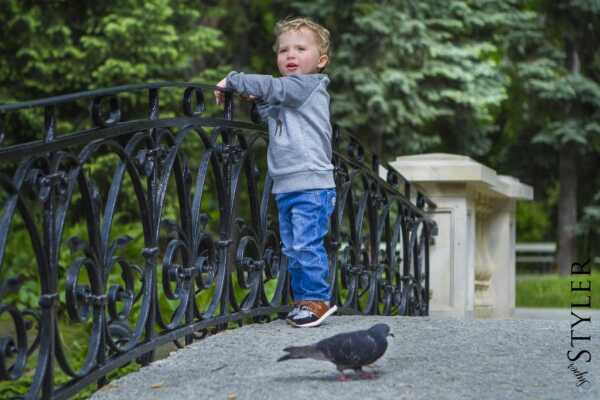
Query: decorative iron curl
(118, 294)
(188, 97)
(9, 347)
(101, 118)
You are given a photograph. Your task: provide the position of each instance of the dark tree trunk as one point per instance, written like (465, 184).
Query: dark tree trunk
(567, 209)
(567, 201)
(378, 142)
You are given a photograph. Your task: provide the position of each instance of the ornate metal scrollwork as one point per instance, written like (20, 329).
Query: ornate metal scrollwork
(171, 230)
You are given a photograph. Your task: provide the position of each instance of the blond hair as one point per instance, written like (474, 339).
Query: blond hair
(295, 24)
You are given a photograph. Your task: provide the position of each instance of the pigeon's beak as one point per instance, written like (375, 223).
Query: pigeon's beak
(391, 334)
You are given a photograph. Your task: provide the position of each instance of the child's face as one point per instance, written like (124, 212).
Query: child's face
(298, 53)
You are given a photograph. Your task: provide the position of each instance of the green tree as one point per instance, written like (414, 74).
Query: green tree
(59, 47)
(557, 70)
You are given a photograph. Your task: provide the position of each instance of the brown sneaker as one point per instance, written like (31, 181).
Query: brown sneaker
(311, 314)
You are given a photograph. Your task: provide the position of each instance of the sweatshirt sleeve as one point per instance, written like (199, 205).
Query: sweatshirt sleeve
(290, 91)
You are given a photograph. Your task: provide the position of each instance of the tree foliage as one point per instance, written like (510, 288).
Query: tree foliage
(58, 47)
(563, 94)
(421, 75)
(555, 94)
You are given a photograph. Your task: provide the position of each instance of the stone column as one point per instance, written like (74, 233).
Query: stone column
(473, 257)
(484, 264)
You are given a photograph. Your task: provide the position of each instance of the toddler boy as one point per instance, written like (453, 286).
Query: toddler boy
(296, 107)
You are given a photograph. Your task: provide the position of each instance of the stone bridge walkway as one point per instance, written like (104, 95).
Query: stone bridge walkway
(429, 358)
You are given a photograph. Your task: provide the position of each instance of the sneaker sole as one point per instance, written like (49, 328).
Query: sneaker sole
(317, 322)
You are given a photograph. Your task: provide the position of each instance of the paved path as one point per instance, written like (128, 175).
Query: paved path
(429, 358)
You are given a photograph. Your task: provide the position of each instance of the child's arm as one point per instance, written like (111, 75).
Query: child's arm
(289, 91)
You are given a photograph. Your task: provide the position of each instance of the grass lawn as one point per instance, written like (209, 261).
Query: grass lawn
(553, 290)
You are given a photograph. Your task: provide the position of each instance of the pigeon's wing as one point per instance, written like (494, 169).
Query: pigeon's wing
(353, 349)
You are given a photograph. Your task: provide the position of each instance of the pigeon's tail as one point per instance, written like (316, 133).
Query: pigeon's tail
(295, 352)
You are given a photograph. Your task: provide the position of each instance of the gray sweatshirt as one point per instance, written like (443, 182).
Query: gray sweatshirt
(296, 107)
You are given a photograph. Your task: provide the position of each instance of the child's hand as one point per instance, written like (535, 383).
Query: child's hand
(248, 97)
(220, 96)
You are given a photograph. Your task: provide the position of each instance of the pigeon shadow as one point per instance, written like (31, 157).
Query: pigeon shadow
(318, 376)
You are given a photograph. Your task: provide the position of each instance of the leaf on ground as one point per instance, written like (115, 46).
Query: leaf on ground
(156, 385)
(109, 386)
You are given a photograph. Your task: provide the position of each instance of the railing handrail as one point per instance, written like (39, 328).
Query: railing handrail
(69, 97)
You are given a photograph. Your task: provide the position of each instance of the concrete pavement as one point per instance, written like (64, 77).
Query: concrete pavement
(429, 358)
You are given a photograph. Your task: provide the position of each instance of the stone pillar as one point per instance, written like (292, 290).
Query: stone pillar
(484, 264)
(473, 257)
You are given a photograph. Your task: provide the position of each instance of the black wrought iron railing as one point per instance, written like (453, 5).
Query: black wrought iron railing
(135, 232)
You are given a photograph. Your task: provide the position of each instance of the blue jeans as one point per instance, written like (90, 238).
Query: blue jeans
(303, 224)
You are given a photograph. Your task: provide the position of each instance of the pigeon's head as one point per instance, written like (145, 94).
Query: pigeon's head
(382, 330)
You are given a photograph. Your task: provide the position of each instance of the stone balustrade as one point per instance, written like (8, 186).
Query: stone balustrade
(473, 257)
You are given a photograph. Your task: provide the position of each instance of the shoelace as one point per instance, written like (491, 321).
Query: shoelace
(304, 307)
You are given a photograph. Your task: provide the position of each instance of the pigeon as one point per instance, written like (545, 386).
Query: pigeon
(350, 350)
